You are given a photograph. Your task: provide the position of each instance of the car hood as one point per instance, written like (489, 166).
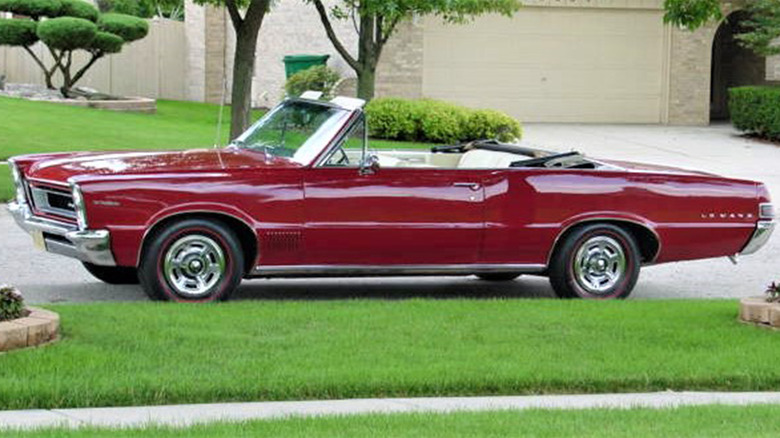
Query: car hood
(60, 167)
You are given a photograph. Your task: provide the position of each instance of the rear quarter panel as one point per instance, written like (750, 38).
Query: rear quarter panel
(694, 216)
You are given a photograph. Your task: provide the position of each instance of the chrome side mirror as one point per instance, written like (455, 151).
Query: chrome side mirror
(369, 165)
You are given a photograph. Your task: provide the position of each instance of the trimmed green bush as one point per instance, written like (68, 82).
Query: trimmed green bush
(79, 9)
(32, 8)
(317, 78)
(493, 124)
(756, 110)
(127, 27)
(434, 121)
(11, 304)
(107, 42)
(15, 32)
(67, 33)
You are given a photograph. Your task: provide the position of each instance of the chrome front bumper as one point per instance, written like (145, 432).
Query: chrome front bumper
(760, 237)
(92, 246)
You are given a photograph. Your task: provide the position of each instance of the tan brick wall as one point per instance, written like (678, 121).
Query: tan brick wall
(216, 23)
(689, 76)
(400, 71)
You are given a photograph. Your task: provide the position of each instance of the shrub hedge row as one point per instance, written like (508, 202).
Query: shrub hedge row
(756, 110)
(435, 121)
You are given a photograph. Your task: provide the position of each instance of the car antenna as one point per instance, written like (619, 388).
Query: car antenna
(218, 135)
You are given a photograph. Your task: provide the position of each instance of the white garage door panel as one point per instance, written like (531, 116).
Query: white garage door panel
(551, 64)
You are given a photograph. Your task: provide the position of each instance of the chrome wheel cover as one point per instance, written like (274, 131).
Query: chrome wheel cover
(193, 265)
(599, 264)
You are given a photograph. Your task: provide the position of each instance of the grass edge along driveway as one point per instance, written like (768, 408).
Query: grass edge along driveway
(148, 353)
(702, 421)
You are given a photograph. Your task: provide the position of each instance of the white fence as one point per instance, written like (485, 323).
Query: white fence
(153, 67)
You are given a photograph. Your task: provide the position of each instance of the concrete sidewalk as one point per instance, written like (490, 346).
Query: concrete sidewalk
(184, 415)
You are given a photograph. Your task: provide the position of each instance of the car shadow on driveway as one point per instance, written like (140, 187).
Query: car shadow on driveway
(393, 288)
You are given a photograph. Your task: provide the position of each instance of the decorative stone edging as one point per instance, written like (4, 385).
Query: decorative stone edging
(39, 327)
(757, 310)
(133, 104)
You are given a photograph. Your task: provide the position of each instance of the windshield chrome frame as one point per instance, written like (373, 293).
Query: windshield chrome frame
(358, 116)
(327, 145)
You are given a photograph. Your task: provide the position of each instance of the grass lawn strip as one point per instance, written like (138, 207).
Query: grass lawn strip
(153, 354)
(37, 127)
(709, 421)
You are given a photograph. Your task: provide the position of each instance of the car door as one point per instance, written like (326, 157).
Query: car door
(390, 216)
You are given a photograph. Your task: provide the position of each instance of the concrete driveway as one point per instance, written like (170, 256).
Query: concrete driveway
(47, 278)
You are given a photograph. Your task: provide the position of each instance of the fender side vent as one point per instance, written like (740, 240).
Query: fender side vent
(282, 241)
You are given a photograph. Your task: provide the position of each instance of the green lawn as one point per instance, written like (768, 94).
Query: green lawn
(708, 421)
(6, 183)
(147, 353)
(35, 127)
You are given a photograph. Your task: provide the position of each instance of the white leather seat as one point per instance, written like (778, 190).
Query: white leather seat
(482, 159)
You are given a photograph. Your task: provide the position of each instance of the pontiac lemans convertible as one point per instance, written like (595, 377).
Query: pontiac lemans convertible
(301, 194)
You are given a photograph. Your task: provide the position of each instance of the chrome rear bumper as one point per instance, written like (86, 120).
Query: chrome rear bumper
(92, 246)
(759, 238)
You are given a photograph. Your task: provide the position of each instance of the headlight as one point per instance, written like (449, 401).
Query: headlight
(18, 182)
(79, 206)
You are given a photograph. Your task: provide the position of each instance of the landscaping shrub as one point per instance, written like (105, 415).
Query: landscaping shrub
(107, 42)
(318, 78)
(11, 303)
(67, 33)
(32, 8)
(79, 9)
(436, 121)
(127, 27)
(756, 110)
(17, 32)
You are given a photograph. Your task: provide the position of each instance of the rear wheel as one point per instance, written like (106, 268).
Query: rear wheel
(194, 260)
(499, 276)
(598, 261)
(112, 274)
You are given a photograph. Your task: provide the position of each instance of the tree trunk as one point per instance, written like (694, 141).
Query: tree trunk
(243, 69)
(366, 83)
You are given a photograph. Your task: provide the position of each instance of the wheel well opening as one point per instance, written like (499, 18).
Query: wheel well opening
(246, 236)
(646, 240)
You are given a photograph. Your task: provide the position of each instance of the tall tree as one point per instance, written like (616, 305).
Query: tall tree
(247, 25)
(762, 29)
(376, 20)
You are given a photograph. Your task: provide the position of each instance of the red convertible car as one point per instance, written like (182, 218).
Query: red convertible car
(301, 194)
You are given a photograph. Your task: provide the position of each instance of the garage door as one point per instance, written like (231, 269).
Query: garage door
(552, 64)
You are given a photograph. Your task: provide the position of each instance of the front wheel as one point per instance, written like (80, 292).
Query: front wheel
(194, 260)
(112, 274)
(599, 261)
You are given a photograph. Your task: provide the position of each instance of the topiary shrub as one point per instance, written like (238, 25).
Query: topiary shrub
(11, 304)
(70, 25)
(67, 33)
(436, 121)
(18, 33)
(756, 110)
(317, 78)
(127, 27)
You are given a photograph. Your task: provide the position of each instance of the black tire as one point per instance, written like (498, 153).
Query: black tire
(112, 274)
(498, 276)
(589, 260)
(169, 265)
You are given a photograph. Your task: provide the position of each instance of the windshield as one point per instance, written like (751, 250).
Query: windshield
(295, 129)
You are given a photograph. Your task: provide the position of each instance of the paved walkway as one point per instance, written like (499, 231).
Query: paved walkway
(183, 415)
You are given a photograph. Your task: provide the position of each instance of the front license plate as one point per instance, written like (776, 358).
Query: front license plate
(38, 240)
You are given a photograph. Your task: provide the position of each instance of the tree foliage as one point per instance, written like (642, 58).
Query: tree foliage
(69, 25)
(762, 28)
(376, 20)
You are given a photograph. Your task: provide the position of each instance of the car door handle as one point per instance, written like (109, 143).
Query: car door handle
(472, 186)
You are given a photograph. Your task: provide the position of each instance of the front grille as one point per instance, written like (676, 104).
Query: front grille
(54, 201)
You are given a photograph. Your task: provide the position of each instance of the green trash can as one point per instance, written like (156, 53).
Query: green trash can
(295, 63)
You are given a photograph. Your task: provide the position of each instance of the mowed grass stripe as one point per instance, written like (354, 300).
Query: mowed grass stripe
(146, 353)
(709, 421)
